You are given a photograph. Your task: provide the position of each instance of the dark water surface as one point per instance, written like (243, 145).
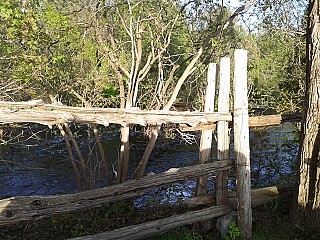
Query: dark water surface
(35, 162)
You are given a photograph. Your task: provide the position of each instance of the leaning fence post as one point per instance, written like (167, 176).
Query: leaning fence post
(241, 144)
(223, 139)
(206, 135)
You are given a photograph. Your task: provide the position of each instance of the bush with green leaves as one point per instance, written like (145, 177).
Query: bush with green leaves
(233, 232)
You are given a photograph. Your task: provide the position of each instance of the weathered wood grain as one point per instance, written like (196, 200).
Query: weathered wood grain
(241, 144)
(256, 121)
(259, 196)
(206, 135)
(50, 114)
(223, 136)
(267, 120)
(17, 209)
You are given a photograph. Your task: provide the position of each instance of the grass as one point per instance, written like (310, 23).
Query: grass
(183, 233)
(270, 222)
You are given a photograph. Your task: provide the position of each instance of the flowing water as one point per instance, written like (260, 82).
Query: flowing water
(34, 161)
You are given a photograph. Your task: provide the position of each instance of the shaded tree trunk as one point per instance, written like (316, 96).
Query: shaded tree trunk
(306, 207)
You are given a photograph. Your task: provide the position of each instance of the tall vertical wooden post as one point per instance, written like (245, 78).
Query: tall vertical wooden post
(223, 139)
(206, 135)
(241, 144)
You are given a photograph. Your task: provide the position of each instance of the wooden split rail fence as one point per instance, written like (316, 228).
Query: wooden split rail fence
(24, 208)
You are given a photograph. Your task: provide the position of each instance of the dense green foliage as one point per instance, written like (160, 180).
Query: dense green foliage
(277, 71)
(105, 52)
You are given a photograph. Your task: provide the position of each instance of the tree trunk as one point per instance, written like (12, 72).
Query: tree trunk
(2, 140)
(123, 162)
(147, 152)
(306, 207)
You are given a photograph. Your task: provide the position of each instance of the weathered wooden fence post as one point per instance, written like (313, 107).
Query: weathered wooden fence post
(223, 139)
(206, 135)
(241, 144)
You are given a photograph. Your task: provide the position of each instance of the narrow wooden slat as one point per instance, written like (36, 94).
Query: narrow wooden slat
(206, 135)
(223, 138)
(241, 144)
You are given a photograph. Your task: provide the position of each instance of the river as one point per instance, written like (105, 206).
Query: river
(35, 161)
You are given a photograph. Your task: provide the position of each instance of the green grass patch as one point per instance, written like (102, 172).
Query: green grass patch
(181, 234)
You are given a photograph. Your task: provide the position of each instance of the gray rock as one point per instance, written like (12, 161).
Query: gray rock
(225, 221)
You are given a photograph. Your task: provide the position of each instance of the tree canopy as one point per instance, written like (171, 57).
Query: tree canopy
(114, 53)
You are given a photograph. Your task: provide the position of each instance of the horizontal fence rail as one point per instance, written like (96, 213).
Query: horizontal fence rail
(254, 121)
(50, 114)
(140, 231)
(144, 230)
(15, 209)
(259, 196)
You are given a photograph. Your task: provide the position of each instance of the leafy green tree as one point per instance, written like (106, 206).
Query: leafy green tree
(275, 40)
(21, 48)
(276, 70)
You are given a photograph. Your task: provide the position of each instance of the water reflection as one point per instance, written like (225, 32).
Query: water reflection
(274, 154)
